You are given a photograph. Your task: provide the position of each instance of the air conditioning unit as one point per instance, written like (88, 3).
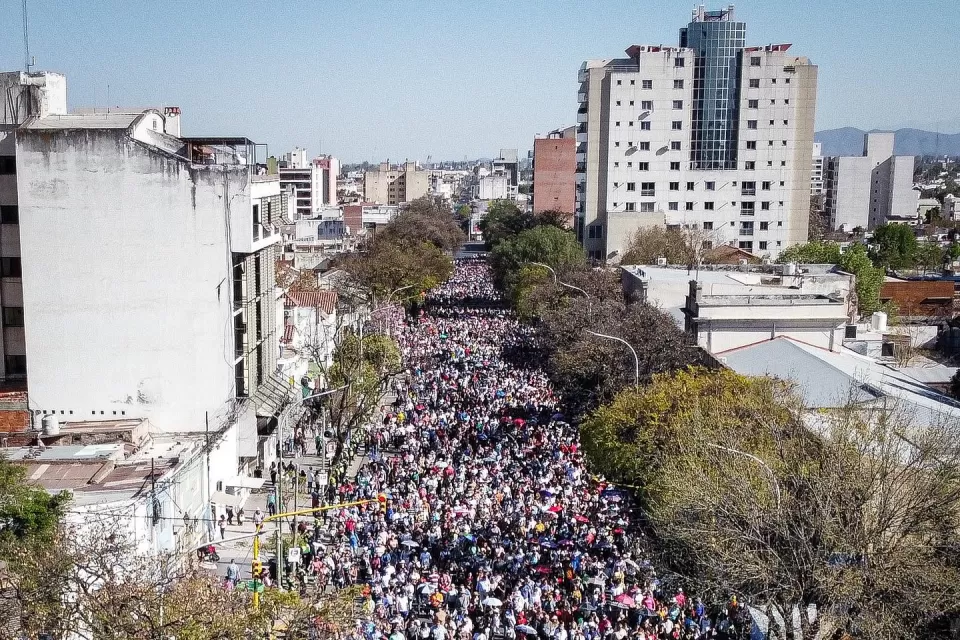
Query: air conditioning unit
(661, 262)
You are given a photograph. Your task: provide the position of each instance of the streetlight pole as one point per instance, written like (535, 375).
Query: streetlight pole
(636, 359)
(557, 281)
(773, 477)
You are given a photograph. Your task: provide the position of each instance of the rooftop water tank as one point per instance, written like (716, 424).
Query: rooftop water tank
(50, 425)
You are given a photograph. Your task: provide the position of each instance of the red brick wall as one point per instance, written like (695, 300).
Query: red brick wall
(554, 165)
(920, 298)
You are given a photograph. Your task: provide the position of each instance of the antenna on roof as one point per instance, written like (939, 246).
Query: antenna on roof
(26, 41)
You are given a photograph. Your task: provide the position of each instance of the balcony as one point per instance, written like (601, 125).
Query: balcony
(746, 232)
(581, 158)
(582, 117)
(581, 97)
(582, 167)
(748, 192)
(648, 193)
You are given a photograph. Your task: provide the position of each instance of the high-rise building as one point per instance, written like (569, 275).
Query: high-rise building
(711, 134)
(395, 185)
(865, 191)
(554, 171)
(816, 171)
(328, 169)
(313, 184)
(144, 267)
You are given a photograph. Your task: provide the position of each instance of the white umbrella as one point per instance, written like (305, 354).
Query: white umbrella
(409, 543)
(491, 602)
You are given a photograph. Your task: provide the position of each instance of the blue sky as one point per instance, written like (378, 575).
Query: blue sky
(399, 79)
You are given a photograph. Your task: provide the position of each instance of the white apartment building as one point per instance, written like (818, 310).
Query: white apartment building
(393, 185)
(711, 134)
(493, 187)
(147, 267)
(313, 184)
(867, 191)
(816, 171)
(950, 209)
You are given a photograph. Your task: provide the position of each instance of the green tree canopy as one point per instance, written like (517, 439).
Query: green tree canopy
(869, 278)
(896, 246)
(816, 252)
(857, 516)
(387, 264)
(426, 219)
(505, 219)
(547, 244)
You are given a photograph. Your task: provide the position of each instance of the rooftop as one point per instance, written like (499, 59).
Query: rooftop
(84, 121)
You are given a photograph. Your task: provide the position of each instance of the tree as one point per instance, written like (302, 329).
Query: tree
(897, 246)
(505, 219)
(857, 519)
(869, 278)
(426, 219)
(547, 244)
(588, 371)
(387, 264)
(650, 243)
(816, 252)
(930, 256)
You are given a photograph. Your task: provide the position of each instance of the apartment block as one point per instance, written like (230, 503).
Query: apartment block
(865, 191)
(146, 267)
(554, 171)
(710, 134)
(393, 185)
(816, 171)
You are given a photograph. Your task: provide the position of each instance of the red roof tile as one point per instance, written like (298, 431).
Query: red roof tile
(326, 301)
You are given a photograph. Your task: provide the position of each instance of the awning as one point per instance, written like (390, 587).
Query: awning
(244, 482)
(226, 499)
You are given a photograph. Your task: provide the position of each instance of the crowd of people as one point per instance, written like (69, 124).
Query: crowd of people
(493, 528)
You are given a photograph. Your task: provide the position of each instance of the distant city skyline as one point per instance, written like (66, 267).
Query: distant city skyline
(408, 80)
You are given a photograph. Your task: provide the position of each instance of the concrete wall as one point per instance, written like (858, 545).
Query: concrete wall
(127, 284)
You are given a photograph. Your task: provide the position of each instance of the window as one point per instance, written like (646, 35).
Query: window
(773, 81)
(781, 183)
(645, 125)
(15, 365)
(631, 123)
(618, 103)
(646, 105)
(746, 246)
(764, 226)
(629, 165)
(751, 124)
(710, 186)
(688, 206)
(765, 206)
(633, 82)
(786, 123)
(769, 143)
(786, 101)
(648, 189)
(691, 186)
(13, 316)
(708, 206)
(8, 165)
(773, 102)
(747, 208)
(673, 206)
(771, 122)
(783, 163)
(674, 166)
(748, 188)
(9, 214)
(631, 206)
(754, 83)
(644, 146)
(674, 186)
(647, 207)
(749, 165)
(753, 104)
(763, 245)
(631, 186)
(675, 145)
(765, 186)
(788, 82)
(643, 166)
(678, 104)
(679, 62)
(617, 124)
(678, 84)
(619, 82)
(10, 267)
(616, 164)
(754, 61)
(616, 144)
(752, 145)
(631, 103)
(783, 143)
(616, 185)
(647, 84)
(676, 125)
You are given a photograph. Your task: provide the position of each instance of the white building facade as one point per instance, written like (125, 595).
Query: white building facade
(727, 150)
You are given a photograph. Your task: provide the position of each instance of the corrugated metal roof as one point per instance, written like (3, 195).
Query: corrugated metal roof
(83, 121)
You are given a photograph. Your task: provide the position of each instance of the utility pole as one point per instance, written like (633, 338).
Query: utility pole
(212, 516)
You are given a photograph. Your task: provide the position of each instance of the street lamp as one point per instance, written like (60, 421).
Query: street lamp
(773, 477)
(636, 360)
(557, 281)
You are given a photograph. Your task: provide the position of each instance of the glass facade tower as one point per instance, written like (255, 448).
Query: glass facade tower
(717, 40)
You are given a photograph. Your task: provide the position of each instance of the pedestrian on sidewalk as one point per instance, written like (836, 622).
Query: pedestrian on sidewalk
(273, 472)
(272, 504)
(230, 515)
(309, 475)
(223, 527)
(240, 516)
(258, 518)
(233, 573)
(302, 481)
(318, 440)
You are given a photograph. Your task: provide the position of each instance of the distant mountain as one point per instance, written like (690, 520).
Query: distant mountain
(848, 141)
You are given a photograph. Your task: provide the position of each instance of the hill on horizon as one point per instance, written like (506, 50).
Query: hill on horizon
(848, 141)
